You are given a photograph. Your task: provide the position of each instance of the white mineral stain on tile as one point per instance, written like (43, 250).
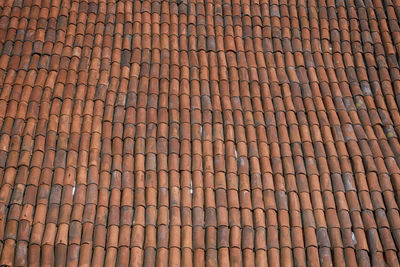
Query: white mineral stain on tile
(354, 238)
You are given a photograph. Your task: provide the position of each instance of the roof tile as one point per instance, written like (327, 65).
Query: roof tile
(208, 133)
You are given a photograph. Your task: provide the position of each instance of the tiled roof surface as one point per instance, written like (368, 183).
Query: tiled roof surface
(199, 133)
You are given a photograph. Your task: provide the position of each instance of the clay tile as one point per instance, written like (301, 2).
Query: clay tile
(160, 161)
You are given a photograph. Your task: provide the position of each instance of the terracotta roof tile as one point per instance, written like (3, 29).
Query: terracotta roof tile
(190, 133)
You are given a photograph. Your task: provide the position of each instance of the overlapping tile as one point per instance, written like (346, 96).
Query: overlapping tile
(193, 133)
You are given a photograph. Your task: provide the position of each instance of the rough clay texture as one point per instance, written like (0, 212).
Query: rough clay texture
(193, 133)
